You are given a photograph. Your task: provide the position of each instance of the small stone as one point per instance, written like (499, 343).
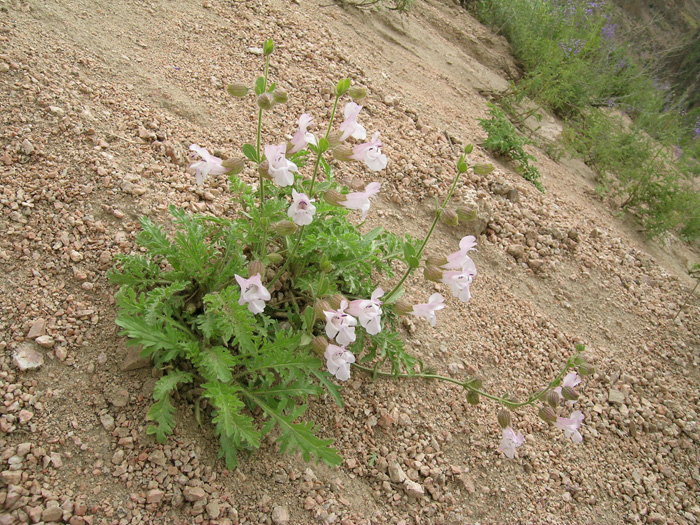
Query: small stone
(61, 353)
(38, 328)
(55, 110)
(516, 250)
(133, 360)
(255, 50)
(45, 341)
(52, 514)
(615, 396)
(194, 493)
(119, 397)
(154, 496)
(27, 147)
(76, 256)
(118, 457)
(25, 416)
(513, 195)
(574, 235)
(4, 68)
(107, 422)
(280, 515)
(213, 509)
(157, 457)
(396, 473)
(11, 477)
(56, 460)
(26, 358)
(413, 489)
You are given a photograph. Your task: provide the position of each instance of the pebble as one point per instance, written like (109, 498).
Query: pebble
(194, 493)
(37, 329)
(26, 358)
(615, 396)
(45, 341)
(280, 515)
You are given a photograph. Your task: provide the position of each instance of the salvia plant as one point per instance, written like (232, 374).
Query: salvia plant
(253, 315)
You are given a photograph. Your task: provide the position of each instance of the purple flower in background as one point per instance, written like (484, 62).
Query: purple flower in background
(608, 31)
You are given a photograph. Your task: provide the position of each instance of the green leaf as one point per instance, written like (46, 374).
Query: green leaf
(342, 87)
(228, 418)
(373, 234)
(162, 413)
(298, 436)
(169, 382)
(217, 362)
(260, 85)
(408, 250)
(228, 451)
(250, 153)
(324, 378)
(397, 295)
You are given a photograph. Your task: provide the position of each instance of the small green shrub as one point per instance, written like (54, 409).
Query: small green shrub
(503, 139)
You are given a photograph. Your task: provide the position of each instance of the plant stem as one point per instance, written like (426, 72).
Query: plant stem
(319, 154)
(263, 239)
(467, 386)
(411, 268)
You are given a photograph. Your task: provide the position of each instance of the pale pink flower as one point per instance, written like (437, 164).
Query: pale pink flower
(571, 425)
(370, 153)
(510, 441)
(368, 312)
(340, 326)
(459, 280)
(280, 168)
(427, 310)
(457, 260)
(209, 165)
(571, 379)
(301, 210)
(253, 293)
(350, 127)
(302, 137)
(359, 200)
(338, 361)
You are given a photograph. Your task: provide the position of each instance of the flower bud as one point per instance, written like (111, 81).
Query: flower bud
(235, 166)
(449, 217)
(284, 228)
(402, 307)
(268, 47)
(547, 414)
(504, 419)
(325, 265)
(334, 197)
(275, 257)
(280, 96)
(468, 148)
(436, 260)
(263, 169)
(586, 369)
(321, 306)
(237, 90)
(357, 92)
(342, 87)
(569, 393)
(319, 344)
(334, 138)
(432, 273)
(343, 152)
(483, 169)
(266, 101)
(472, 398)
(335, 300)
(255, 268)
(553, 399)
(466, 213)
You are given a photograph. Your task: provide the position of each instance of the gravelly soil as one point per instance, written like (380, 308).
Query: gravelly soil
(99, 102)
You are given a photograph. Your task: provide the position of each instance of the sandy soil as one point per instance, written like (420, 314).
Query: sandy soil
(99, 101)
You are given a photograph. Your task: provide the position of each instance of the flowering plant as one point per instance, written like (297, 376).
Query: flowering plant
(258, 312)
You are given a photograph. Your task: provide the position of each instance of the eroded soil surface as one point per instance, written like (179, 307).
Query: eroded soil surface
(100, 100)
